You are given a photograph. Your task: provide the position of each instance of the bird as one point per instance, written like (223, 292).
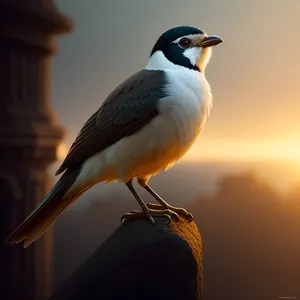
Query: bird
(143, 127)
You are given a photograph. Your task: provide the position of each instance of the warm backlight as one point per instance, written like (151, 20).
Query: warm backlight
(61, 151)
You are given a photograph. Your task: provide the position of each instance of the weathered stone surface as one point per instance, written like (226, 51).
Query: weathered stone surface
(141, 261)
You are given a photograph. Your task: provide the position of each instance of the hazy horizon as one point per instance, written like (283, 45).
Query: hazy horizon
(188, 179)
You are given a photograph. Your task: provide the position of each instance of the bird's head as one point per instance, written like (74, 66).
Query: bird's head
(183, 46)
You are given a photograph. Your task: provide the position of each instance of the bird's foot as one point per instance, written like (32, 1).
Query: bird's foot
(178, 210)
(134, 215)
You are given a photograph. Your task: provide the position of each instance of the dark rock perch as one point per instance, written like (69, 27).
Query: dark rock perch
(141, 261)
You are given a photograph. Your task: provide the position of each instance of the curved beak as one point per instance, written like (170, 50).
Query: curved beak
(211, 41)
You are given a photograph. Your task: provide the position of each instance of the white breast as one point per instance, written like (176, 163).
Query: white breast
(187, 105)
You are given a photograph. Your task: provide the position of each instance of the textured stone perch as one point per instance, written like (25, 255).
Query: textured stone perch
(141, 261)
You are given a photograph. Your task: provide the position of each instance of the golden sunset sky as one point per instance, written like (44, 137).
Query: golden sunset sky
(254, 74)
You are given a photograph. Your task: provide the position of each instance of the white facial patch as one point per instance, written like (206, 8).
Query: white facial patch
(193, 54)
(204, 58)
(197, 55)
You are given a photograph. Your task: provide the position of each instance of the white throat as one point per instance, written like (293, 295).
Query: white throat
(191, 79)
(189, 98)
(197, 56)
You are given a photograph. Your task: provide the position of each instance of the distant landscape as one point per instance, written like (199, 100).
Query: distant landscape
(189, 179)
(248, 214)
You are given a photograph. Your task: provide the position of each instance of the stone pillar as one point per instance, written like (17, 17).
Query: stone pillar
(29, 138)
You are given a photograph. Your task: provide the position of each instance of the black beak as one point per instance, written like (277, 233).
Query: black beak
(211, 41)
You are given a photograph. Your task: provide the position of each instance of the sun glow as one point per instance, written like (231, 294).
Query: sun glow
(61, 151)
(288, 150)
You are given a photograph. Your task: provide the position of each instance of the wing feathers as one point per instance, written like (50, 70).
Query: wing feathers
(126, 110)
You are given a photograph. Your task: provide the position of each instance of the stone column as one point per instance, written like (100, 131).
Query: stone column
(29, 137)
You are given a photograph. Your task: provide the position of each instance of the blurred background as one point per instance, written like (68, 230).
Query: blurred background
(241, 180)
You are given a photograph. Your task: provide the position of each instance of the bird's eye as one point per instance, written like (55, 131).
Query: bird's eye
(185, 43)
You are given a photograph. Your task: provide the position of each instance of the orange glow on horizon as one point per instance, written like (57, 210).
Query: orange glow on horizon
(243, 150)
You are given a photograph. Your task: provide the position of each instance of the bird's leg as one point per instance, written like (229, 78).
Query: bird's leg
(146, 211)
(162, 203)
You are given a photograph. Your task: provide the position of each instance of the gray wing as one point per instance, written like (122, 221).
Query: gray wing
(126, 110)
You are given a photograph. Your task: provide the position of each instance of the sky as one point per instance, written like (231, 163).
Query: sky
(254, 74)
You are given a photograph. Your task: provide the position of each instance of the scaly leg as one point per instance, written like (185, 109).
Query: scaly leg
(162, 203)
(146, 211)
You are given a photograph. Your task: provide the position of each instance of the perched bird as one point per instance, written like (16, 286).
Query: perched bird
(144, 126)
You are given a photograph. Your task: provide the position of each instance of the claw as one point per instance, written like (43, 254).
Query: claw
(133, 215)
(178, 210)
(190, 217)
